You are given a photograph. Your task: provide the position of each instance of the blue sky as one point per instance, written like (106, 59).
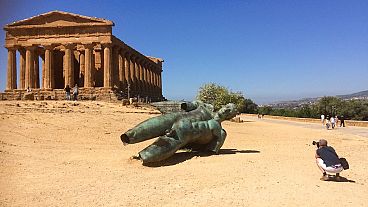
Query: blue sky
(269, 50)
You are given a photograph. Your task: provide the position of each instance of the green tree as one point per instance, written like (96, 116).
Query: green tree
(332, 106)
(250, 107)
(219, 95)
(355, 109)
(329, 105)
(267, 110)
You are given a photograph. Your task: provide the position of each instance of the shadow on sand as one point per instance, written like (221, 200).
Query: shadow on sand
(187, 155)
(332, 178)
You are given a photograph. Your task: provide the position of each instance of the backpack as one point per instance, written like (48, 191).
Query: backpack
(344, 163)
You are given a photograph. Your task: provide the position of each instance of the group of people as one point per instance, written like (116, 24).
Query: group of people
(332, 122)
(260, 116)
(75, 92)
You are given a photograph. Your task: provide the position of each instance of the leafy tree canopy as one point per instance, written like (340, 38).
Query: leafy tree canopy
(219, 95)
(328, 105)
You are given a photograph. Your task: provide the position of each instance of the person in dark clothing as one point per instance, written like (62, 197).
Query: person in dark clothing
(67, 92)
(327, 160)
(342, 121)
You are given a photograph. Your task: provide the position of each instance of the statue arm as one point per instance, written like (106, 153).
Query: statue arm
(161, 149)
(219, 136)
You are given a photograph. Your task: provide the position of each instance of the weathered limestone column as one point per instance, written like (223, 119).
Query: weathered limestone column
(49, 69)
(88, 81)
(141, 81)
(127, 69)
(36, 70)
(29, 68)
(12, 69)
(149, 76)
(160, 82)
(154, 82)
(107, 66)
(69, 65)
(81, 68)
(121, 68)
(22, 68)
(115, 67)
(136, 76)
(131, 71)
(43, 71)
(145, 88)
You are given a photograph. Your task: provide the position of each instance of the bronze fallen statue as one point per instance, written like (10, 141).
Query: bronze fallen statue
(198, 129)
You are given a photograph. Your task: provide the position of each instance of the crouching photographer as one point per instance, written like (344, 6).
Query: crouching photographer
(328, 161)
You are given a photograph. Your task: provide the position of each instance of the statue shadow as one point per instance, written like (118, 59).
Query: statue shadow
(340, 179)
(182, 156)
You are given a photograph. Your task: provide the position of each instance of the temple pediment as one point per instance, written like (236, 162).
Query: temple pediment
(59, 19)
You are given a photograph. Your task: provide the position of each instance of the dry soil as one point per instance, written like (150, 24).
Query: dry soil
(70, 154)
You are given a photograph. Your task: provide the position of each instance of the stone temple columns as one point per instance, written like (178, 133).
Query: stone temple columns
(121, 70)
(160, 83)
(115, 67)
(141, 82)
(29, 68)
(88, 81)
(121, 66)
(22, 68)
(136, 76)
(155, 81)
(81, 68)
(12, 69)
(36, 70)
(149, 76)
(69, 65)
(127, 69)
(49, 81)
(131, 72)
(144, 67)
(43, 70)
(107, 66)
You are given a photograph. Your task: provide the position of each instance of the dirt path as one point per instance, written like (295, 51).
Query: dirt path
(70, 154)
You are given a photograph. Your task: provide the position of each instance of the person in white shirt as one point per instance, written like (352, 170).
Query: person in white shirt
(323, 119)
(332, 120)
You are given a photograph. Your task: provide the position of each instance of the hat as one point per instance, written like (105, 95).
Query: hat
(322, 142)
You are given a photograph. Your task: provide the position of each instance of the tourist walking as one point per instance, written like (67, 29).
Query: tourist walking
(67, 92)
(342, 121)
(332, 120)
(323, 119)
(75, 92)
(328, 124)
(336, 121)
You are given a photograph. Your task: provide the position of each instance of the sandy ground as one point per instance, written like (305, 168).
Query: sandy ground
(70, 154)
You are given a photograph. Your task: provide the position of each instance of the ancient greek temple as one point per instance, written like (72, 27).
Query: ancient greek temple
(57, 49)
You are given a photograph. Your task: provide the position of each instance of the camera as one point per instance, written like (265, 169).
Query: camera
(316, 143)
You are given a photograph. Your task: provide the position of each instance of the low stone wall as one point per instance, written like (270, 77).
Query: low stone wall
(101, 94)
(310, 120)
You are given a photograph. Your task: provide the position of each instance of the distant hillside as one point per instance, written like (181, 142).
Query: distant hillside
(354, 95)
(296, 103)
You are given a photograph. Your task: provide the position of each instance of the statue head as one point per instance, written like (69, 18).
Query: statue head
(226, 112)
